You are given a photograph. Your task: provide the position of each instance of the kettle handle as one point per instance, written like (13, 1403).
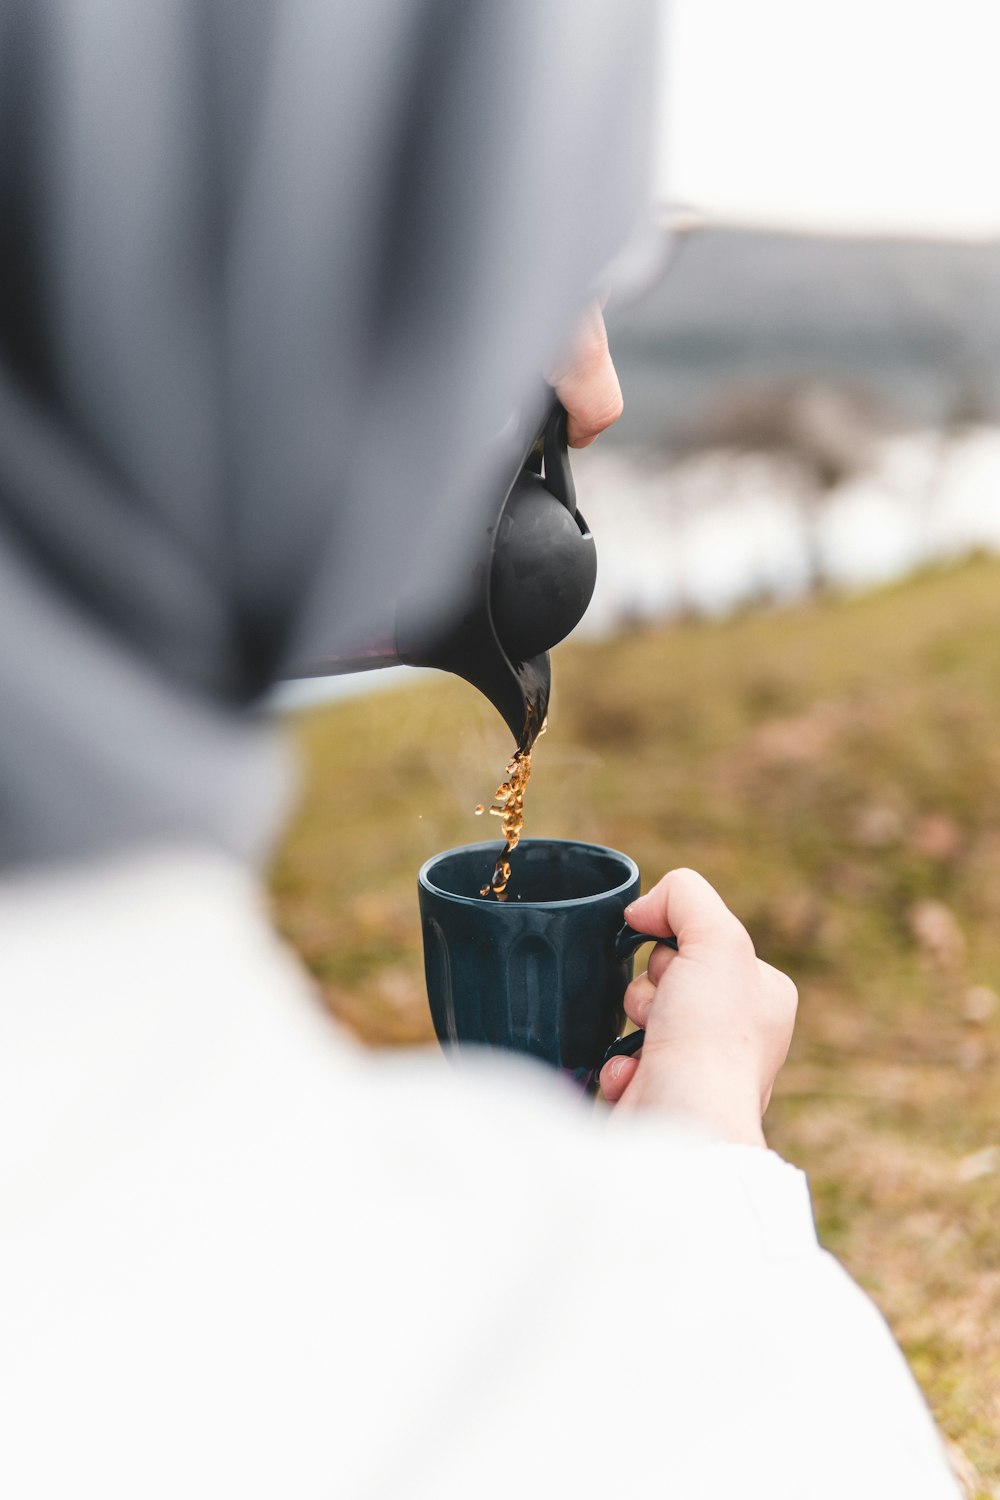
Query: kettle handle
(558, 474)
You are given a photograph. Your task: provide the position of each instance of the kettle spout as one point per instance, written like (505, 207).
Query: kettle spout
(518, 690)
(523, 699)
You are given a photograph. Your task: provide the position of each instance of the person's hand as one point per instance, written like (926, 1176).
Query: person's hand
(586, 383)
(718, 1020)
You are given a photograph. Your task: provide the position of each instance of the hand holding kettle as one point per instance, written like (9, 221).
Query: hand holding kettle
(531, 563)
(586, 382)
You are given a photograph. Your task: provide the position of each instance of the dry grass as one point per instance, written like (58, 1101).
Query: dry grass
(835, 770)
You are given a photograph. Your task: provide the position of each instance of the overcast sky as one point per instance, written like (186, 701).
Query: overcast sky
(857, 115)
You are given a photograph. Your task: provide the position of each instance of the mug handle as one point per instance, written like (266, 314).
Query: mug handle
(627, 940)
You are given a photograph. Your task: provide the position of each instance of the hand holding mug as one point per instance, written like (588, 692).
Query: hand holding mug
(718, 1020)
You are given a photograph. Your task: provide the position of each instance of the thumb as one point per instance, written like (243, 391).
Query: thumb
(685, 906)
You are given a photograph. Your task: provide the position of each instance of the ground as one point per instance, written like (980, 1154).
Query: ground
(835, 770)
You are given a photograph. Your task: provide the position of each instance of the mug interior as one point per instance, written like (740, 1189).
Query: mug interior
(543, 872)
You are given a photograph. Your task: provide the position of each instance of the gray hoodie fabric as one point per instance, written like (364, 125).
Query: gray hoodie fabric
(271, 277)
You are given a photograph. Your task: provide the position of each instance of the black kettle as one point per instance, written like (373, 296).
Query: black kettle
(530, 582)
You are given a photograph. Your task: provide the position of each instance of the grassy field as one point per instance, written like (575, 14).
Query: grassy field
(835, 771)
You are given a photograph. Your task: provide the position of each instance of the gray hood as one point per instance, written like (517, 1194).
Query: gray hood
(272, 277)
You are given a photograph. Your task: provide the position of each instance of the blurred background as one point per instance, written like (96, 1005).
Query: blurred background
(790, 674)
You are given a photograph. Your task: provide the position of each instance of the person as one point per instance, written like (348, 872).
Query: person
(254, 255)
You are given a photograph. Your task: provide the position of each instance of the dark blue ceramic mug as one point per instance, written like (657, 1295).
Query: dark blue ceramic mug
(544, 972)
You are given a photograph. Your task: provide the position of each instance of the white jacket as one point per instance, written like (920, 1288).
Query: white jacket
(242, 1257)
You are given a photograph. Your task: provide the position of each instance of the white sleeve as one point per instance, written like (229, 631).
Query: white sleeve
(758, 1367)
(240, 1257)
(643, 1314)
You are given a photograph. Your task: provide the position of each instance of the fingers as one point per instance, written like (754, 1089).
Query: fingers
(638, 998)
(684, 905)
(616, 1076)
(586, 382)
(640, 993)
(782, 988)
(659, 962)
(718, 1021)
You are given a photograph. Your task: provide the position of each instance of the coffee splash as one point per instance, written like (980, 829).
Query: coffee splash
(508, 806)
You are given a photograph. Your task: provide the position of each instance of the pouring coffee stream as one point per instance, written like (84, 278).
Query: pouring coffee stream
(528, 584)
(508, 806)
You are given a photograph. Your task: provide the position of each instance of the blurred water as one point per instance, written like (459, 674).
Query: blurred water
(718, 530)
(743, 319)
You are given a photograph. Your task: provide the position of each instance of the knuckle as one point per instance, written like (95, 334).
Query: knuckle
(592, 417)
(782, 986)
(791, 1002)
(612, 407)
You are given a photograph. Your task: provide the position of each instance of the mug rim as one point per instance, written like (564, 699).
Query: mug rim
(495, 845)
